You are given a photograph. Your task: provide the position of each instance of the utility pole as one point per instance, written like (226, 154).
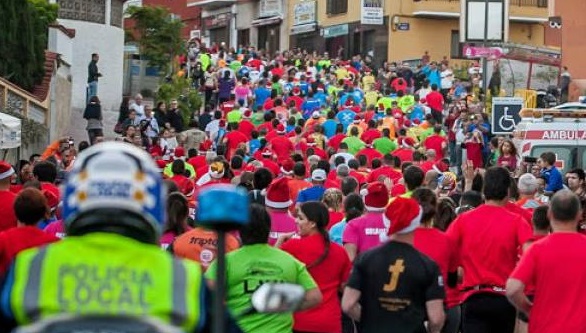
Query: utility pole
(485, 59)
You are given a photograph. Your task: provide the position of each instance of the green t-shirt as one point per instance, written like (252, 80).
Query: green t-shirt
(406, 102)
(386, 101)
(428, 132)
(234, 116)
(354, 144)
(257, 118)
(247, 269)
(205, 61)
(235, 65)
(169, 173)
(384, 145)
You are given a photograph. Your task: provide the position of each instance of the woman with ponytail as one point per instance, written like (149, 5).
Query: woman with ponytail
(177, 213)
(327, 263)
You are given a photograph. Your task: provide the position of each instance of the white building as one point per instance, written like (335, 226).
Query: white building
(98, 29)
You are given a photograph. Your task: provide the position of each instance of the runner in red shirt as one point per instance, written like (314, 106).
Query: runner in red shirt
(233, 139)
(387, 169)
(30, 207)
(296, 97)
(559, 284)
(406, 149)
(327, 263)
(7, 216)
(372, 133)
(335, 140)
(435, 101)
(436, 142)
(370, 153)
(281, 145)
(245, 126)
(487, 240)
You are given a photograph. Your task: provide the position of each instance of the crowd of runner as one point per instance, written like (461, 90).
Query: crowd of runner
(384, 182)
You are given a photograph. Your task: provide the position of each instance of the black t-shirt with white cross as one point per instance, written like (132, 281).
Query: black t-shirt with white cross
(395, 281)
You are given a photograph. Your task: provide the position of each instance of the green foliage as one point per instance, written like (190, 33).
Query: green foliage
(179, 88)
(24, 26)
(158, 35)
(31, 131)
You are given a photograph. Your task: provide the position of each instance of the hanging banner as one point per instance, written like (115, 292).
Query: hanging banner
(372, 12)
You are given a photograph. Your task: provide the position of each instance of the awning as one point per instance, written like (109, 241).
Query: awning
(266, 21)
(528, 19)
(436, 14)
(209, 3)
(303, 28)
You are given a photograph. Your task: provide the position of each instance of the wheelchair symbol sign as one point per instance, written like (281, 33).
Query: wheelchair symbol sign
(505, 114)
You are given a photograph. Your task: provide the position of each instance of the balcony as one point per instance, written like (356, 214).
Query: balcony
(531, 11)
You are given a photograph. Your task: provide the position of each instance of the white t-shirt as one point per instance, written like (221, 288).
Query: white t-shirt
(139, 109)
(212, 127)
(447, 79)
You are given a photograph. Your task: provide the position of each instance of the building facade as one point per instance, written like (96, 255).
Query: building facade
(98, 29)
(258, 23)
(402, 29)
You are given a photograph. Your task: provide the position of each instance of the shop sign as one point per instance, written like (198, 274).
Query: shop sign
(304, 13)
(335, 31)
(300, 29)
(217, 21)
(269, 8)
(372, 12)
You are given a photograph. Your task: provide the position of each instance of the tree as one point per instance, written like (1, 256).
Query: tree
(158, 35)
(24, 27)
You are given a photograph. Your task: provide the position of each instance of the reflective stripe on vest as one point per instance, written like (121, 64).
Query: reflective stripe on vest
(66, 279)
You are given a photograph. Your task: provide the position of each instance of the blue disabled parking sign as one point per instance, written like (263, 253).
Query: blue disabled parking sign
(505, 114)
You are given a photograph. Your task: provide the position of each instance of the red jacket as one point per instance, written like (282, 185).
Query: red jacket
(15, 240)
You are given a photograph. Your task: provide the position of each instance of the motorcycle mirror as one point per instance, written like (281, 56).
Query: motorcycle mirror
(278, 297)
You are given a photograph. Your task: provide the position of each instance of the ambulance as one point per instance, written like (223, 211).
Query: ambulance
(562, 131)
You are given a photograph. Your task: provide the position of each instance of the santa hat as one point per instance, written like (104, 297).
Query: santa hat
(376, 196)
(281, 129)
(269, 85)
(357, 118)
(315, 115)
(161, 164)
(367, 70)
(247, 114)
(441, 166)
(277, 195)
(402, 216)
(311, 141)
(417, 121)
(296, 91)
(216, 170)
(52, 199)
(6, 170)
(287, 167)
(222, 123)
(320, 87)
(423, 100)
(179, 153)
(349, 102)
(407, 142)
(267, 152)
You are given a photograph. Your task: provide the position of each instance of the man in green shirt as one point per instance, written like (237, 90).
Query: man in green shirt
(384, 144)
(234, 116)
(257, 263)
(353, 141)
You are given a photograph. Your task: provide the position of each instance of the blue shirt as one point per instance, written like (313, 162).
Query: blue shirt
(254, 145)
(321, 97)
(433, 76)
(346, 117)
(260, 96)
(329, 128)
(553, 179)
(337, 231)
(310, 105)
(314, 193)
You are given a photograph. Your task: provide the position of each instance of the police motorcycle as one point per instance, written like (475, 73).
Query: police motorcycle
(269, 298)
(230, 215)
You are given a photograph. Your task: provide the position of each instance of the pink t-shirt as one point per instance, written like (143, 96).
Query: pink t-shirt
(168, 238)
(56, 228)
(241, 93)
(281, 223)
(366, 231)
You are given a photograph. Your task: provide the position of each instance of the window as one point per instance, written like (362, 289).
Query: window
(455, 45)
(337, 7)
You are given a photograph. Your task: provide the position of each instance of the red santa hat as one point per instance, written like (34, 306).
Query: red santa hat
(6, 170)
(402, 216)
(407, 123)
(267, 152)
(287, 167)
(216, 170)
(349, 102)
(247, 114)
(179, 152)
(407, 142)
(417, 121)
(311, 141)
(357, 118)
(161, 164)
(315, 115)
(277, 194)
(281, 129)
(52, 199)
(423, 100)
(222, 123)
(296, 91)
(269, 84)
(376, 196)
(321, 87)
(441, 166)
(187, 188)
